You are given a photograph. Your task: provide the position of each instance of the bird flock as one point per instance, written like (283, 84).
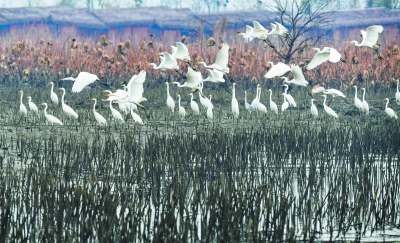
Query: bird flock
(130, 96)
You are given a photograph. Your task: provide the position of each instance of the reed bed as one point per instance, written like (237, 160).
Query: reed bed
(285, 177)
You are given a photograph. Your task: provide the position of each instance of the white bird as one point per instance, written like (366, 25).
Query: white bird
(194, 105)
(272, 104)
(259, 31)
(357, 101)
(32, 105)
(289, 97)
(365, 105)
(329, 110)
(181, 110)
(53, 95)
(221, 62)
(278, 30)
(22, 107)
(370, 37)
(298, 77)
(203, 100)
(99, 118)
(389, 111)
(168, 62)
(193, 79)
(278, 69)
(50, 118)
(215, 76)
(170, 101)
(256, 100)
(116, 113)
(180, 52)
(327, 54)
(249, 107)
(209, 113)
(136, 118)
(259, 106)
(83, 79)
(334, 93)
(397, 93)
(68, 110)
(248, 34)
(317, 89)
(235, 104)
(314, 110)
(285, 104)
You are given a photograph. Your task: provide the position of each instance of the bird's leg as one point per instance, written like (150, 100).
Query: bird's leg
(226, 89)
(180, 74)
(342, 60)
(229, 77)
(269, 43)
(288, 39)
(190, 65)
(105, 84)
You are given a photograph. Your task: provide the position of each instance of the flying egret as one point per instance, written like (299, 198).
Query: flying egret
(68, 110)
(170, 101)
(317, 89)
(298, 77)
(32, 105)
(214, 76)
(314, 110)
(181, 110)
(278, 69)
(334, 93)
(83, 79)
(327, 109)
(22, 107)
(235, 104)
(168, 62)
(99, 118)
(194, 105)
(53, 95)
(50, 118)
(365, 105)
(278, 30)
(272, 104)
(370, 38)
(193, 79)
(180, 52)
(327, 54)
(389, 111)
(221, 62)
(248, 35)
(397, 93)
(357, 101)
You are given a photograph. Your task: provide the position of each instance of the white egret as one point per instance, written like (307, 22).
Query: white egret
(278, 69)
(209, 113)
(136, 118)
(170, 101)
(357, 101)
(168, 62)
(256, 100)
(314, 110)
(272, 104)
(235, 104)
(215, 76)
(68, 110)
(22, 107)
(221, 62)
(334, 93)
(194, 105)
(365, 105)
(99, 118)
(317, 89)
(193, 79)
(50, 118)
(327, 54)
(249, 107)
(278, 30)
(289, 97)
(389, 111)
(83, 79)
(32, 105)
(259, 31)
(182, 112)
(53, 95)
(180, 52)
(285, 104)
(397, 93)
(248, 37)
(116, 113)
(259, 106)
(203, 100)
(327, 109)
(370, 38)
(298, 77)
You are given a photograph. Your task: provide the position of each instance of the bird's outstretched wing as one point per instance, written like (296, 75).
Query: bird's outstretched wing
(278, 69)
(318, 59)
(135, 87)
(334, 56)
(281, 29)
(371, 34)
(298, 74)
(83, 79)
(222, 56)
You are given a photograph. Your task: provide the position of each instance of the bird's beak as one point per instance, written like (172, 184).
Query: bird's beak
(238, 34)
(260, 30)
(108, 95)
(59, 89)
(91, 99)
(348, 42)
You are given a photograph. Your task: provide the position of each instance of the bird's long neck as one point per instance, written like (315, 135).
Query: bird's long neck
(179, 101)
(312, 102)
(45, 110)
(245, 96)
(94, 106)
(52, 85)
(325, 100)
(233, 91)
(286, 89)
(387, 103)
(22, 94)
(270, 96)
(363, 94)
(259, 94)
(167, 89)
(356, 92)
(62, 97)
(397, 86)
(111, 105)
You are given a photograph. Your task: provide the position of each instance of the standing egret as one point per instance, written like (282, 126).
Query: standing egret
(50, 118)
(209, 113)
(285, 104)
(370, 38)
(397, 93)
(289, 97)
(22, 107)
(53, 95)
(357, 101)
(272, 104)
(329, 110)
(83, 79)
(235, 104)
(203, 100)
(249, 107)
(256, 100)
(68, 110)
(260, 107)
(170, 101)
(194, 105)
(116, 113)
(314, 110)
(32, 105)
(136, 118)
(181, 110)
(388, 110)
(365, 105)
(99, 118)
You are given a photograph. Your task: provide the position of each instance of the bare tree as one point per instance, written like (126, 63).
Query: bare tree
(305, 20)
